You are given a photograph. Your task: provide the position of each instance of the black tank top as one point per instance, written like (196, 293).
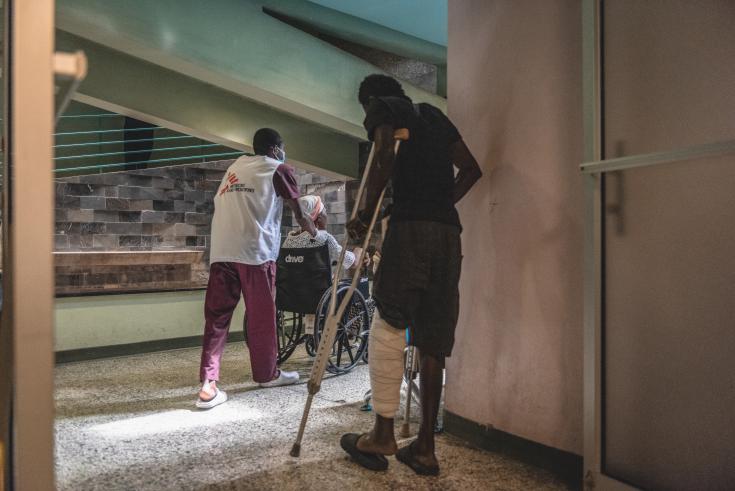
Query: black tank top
(423, 175)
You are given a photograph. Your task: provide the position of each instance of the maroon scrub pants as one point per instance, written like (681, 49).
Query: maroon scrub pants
(258, 287)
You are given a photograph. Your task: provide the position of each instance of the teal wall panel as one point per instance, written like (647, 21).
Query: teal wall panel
(424, 19)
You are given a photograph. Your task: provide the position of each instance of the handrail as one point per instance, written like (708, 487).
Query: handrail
(93, 153)
(697, 151)
(96, 132)
(96, 144)
(154, 161)
(110, 154)
(100, 115)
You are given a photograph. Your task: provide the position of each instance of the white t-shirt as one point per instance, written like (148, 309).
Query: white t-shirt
(246, 227)
(304, 239)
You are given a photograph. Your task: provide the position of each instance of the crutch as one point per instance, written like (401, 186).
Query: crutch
(330, 324)
(410, 374)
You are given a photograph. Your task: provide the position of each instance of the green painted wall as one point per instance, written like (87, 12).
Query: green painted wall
(221, 69)
(235, 46)
(105, 320)
(128, 85)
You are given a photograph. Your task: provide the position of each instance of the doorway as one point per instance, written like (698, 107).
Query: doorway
(660, 173)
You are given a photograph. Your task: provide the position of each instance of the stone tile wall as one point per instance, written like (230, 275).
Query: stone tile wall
(149, 210)
(109, 271)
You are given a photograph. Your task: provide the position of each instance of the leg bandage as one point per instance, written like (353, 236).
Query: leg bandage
(386, 347)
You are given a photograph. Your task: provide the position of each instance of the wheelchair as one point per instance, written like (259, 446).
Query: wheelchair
(304, 289)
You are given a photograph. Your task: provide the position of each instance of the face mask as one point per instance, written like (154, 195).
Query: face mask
(282, 157)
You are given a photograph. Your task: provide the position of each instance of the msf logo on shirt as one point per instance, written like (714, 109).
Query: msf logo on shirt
(231, 180)
(294, 259)
(233, 184)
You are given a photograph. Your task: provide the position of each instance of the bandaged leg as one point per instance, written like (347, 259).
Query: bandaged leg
(386, 366)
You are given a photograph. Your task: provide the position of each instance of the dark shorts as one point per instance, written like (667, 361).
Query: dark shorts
(417, 282)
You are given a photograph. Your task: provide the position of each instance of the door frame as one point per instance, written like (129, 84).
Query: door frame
(28, 280)
(594, 169)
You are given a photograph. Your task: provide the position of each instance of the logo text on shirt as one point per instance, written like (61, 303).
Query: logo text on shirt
(234, 186)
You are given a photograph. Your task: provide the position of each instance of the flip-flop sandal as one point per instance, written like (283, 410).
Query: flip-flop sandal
(406, 456)
(372, 461)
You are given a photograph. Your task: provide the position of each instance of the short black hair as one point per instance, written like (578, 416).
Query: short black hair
(379, 85)
(264, 139)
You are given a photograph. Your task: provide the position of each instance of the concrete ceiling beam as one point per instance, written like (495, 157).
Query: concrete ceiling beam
(128, 85)
(357, 30)
(233, 46)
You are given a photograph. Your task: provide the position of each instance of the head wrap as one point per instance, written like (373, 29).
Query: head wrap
(311, 206)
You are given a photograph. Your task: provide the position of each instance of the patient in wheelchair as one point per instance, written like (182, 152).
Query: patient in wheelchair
(313, 207)
(304, 287)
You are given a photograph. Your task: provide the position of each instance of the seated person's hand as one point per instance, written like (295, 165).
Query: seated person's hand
(365, 258)
(357, 251)
(311, 228)
(355, 265)
(376, 261)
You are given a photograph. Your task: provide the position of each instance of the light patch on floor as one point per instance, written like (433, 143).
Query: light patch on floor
(130, 424)
(172, 421)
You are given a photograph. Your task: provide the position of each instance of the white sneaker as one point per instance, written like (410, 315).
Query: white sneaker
(220, 396)
(284, 378)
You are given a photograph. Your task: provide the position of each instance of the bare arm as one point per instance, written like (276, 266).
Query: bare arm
(383, 161)
(469, 171)
(304, 222)
(382, 169)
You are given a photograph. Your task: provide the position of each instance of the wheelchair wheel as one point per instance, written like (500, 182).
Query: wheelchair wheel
(371, 311)
(288, 333)
(352, 330)
(310, 345)
(289, 327)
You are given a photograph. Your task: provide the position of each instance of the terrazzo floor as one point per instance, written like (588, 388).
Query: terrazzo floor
(130, 423)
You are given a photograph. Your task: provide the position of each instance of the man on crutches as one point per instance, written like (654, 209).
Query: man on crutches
(416, 283)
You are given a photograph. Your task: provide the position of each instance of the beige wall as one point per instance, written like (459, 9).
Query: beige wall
(515, 94)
